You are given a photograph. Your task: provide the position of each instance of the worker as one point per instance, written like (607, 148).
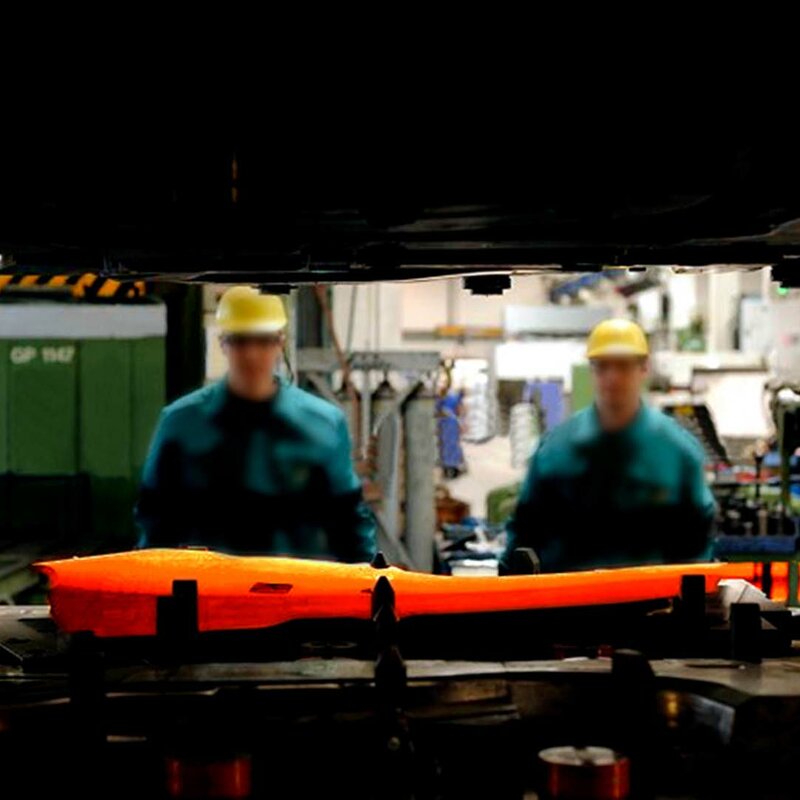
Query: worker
(619, 483)
(450, 425)
(252, 464)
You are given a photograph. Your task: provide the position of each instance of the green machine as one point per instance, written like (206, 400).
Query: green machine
(81, 387)
(582, 394)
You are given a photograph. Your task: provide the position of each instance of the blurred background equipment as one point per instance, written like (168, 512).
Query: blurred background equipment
(397, 458)
(472, 375)
(524, 430)
(81, 386)
(698, 421)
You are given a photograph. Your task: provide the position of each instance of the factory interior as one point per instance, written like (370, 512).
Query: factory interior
(446, 394)
(441, 656)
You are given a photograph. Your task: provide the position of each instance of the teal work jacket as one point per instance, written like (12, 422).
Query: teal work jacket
(592, 498)
(272, 477)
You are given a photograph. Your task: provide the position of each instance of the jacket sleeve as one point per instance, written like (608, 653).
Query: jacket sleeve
(351, 524)
(528, 527)
(695, 539)
(702, 505)
(156, 514)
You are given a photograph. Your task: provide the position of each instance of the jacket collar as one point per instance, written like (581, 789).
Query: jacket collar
(589, 428)
(219, 394)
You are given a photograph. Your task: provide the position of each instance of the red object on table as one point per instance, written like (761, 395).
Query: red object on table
(229, 779)
(586, 773)
(116, 594)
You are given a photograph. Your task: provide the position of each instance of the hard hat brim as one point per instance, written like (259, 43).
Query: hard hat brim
(251, 327)
(617, 350)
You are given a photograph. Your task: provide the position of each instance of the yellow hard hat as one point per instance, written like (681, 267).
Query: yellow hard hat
(243, 309)
(617, 337)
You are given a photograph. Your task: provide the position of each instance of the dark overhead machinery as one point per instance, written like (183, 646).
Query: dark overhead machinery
(294, 205)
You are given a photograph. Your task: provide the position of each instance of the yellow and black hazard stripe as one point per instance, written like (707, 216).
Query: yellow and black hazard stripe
(88, 285)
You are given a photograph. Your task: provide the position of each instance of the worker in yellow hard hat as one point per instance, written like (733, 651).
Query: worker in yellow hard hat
(619, 483)
(253, 464)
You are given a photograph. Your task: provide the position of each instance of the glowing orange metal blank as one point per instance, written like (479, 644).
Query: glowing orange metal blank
(115, 595)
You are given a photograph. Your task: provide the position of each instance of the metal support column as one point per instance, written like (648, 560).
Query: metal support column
(420, 438)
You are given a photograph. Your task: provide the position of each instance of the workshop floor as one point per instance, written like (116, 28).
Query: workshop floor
(488, 466)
